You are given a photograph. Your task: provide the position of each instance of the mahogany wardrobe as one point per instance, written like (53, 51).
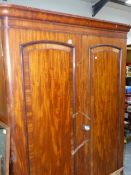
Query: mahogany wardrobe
(62, 81)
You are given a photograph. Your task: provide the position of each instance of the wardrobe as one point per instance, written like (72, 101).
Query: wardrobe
(62, 92)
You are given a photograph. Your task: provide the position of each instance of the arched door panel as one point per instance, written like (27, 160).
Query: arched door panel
(49, 83)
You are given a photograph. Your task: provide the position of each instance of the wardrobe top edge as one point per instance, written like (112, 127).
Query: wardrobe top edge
(16, 11)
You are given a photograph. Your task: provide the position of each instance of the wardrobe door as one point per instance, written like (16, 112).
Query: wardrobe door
(49, 85)
(102, 64)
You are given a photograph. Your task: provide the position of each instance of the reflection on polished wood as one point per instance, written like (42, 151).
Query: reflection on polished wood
(60, 73)
(105, 81)
(48, 79)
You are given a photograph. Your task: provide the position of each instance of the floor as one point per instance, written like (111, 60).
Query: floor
(127, 159)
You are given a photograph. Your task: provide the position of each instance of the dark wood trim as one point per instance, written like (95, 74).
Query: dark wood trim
(25, 110)
(104, 45)
(45, 42)
(74, 105)
(89, 103)
(120, 105)
(15, 11)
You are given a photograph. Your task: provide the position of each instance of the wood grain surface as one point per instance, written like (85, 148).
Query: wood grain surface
(3, 109)
(105, 84)
(19, 133)
(47, 106)
(16, 11)
(105, 101)
(48, 77)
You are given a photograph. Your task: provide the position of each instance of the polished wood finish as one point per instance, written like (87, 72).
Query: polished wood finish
(41, 37)
(48, 80)
(105, 82)
(2, 88)
(55, 87)
(44, 15)
(3, 115)
(105, 102)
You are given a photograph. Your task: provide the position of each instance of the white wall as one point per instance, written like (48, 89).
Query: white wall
(109, 12)
(78, 7)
